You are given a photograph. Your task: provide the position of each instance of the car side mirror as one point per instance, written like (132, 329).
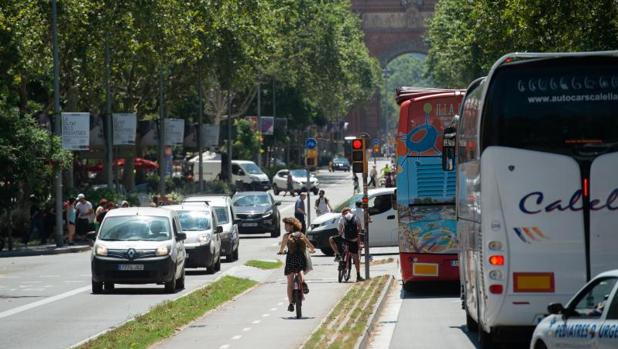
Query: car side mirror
(448, 149)
(277, 203)
(555, 308)
(181, 236)
(219, 229)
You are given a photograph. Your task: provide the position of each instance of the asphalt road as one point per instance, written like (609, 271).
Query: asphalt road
(46, 301)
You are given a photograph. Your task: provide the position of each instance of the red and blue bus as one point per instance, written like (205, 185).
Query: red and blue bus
(428, 244)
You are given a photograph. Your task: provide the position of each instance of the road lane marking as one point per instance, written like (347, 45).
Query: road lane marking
(273, 309)
(265, 315)
(224, 346)
(256, 322)
(280, 303)
(237, 337)
(42, 302)
(246, 329)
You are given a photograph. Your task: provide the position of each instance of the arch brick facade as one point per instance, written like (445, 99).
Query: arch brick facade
(392, 28)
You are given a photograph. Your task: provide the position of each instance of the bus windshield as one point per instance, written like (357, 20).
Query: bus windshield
(567, 106)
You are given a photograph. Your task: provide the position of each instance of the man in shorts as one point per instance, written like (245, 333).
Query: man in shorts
(349, 228)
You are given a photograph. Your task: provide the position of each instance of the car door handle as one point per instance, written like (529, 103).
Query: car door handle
(391, 217)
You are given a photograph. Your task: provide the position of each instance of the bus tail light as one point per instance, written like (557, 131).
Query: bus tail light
(496, 260)
(496, 289)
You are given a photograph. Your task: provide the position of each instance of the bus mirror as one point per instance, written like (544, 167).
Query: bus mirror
(448, 149)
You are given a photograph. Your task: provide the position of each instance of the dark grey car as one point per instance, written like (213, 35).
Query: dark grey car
(256, 213)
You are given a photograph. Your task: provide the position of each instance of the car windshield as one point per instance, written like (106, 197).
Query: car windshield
(221, 213)
(135, 228)
(251, 200)
(194, 220)
(351, 202)
(341, 161)
(252, 168)
(299, 173)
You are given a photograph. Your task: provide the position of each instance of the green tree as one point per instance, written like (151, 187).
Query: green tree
(247, 142)
(467, 37)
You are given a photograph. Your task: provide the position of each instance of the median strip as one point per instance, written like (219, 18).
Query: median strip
(264, 264)
(165, 319)
(346, 323)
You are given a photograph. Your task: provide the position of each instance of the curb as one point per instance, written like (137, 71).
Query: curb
(377, 309)
(44, 252)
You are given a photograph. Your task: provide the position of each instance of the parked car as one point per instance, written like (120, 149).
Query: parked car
(256, 213)
(222, 206)
(299, 179)
(589, 319)
(382, 227)
(139, 245)
(245, 174)
(203, 244)
(341, 164)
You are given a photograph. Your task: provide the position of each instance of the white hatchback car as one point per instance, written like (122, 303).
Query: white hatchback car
(589, 320)
(299, 181)
(139, 245)
(382, 228)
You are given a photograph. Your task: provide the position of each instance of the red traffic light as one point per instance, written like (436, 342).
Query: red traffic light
(357, 144)
(365, 200)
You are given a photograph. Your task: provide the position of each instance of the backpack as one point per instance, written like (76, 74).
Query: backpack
(350, 230)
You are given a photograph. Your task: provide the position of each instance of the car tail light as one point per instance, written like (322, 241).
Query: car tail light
(496, 289)
(496, 260)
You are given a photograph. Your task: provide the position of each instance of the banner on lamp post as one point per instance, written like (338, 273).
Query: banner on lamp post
(210, 135)
(125, 126)
(267, 125)
(75, 131)
(174, 131)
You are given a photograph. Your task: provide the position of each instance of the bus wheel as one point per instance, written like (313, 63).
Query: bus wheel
(471, 325)
(485, 340)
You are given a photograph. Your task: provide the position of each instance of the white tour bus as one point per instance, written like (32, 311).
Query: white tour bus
(536, 154)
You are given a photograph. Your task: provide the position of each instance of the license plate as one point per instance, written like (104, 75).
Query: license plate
(249, 224)
(130, 267)
(454, 263)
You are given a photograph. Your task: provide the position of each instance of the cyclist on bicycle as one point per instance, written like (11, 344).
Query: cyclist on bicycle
(349, 227)
(295, 261)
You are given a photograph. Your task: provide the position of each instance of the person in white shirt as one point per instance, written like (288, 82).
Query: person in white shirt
(322, 204)
(85, 215)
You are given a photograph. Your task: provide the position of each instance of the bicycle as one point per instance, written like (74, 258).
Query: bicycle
(298, 295)
(345, 264)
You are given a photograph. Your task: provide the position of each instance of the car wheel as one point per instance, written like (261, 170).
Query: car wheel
(218, 264)
(170, 286)
(180, 284)
(109, 286)
(327, 251)
(97, 287)
(276, 189)
(275, 233)
(235, 254)
(210, 269)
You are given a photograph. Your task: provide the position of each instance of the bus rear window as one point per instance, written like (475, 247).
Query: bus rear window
(567, 105)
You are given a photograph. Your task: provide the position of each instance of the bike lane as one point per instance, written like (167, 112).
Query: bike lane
(260, 319)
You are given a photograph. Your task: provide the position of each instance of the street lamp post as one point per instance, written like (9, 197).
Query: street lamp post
(161, 134)
(57, 126)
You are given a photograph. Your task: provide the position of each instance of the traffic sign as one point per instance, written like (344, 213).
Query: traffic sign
(311, 143)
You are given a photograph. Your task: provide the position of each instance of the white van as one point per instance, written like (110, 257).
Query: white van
(245, 174)
(536, 153)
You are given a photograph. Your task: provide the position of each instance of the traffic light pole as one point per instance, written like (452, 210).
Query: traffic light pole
(366, 214)
(308, 198)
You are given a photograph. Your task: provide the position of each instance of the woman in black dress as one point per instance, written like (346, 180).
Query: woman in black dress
(295, 261)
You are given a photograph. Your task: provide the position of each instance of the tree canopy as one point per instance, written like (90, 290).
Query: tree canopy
(467, 37)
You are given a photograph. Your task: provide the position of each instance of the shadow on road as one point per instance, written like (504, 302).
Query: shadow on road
(294, 318)
(196, 272)
(473, 337)
(431, 290)
(17, 297)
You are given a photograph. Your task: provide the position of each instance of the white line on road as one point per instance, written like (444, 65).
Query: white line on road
(255, 322)
(265, 315)
(43, 302)
(273, 309)
(246, 329)
(237, 337)
(224, 346)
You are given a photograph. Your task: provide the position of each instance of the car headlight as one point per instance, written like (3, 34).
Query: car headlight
(267, 214)
(100, 250)
(204, 238)
(162, 251)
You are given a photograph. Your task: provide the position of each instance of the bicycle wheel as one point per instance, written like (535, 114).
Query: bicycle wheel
(340, 271)
(348, 267)
(298, 299)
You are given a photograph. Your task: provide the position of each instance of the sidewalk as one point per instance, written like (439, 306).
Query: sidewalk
(19, 250)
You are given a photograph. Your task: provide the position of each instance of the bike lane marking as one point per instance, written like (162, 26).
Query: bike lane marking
(42, 302)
